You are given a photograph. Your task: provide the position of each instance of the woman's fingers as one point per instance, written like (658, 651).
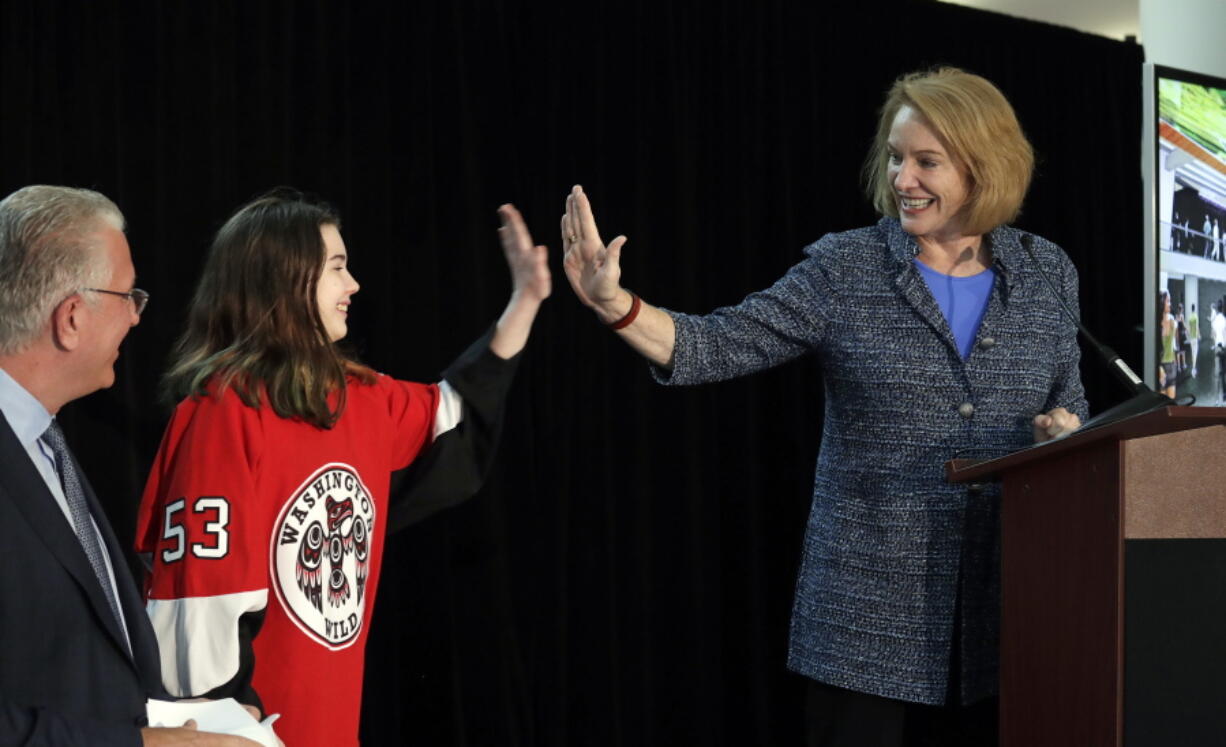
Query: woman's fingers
(570, 221)
(614, 251)
(587, 221)
(1055, 423)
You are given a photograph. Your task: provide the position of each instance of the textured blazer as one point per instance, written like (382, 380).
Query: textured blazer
(66, 677)
(891, 550)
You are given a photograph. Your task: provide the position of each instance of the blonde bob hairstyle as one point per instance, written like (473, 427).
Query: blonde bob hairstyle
(979, 130)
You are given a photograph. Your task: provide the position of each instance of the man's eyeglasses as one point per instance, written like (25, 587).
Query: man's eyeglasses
(138, 297)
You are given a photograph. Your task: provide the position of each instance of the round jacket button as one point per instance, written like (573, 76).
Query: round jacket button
(966, 409)
(987, 342)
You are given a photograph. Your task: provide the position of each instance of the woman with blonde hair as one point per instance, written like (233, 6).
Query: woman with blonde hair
(267, 507)
(937, 338)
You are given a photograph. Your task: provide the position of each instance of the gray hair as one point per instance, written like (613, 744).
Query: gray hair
(48, 251)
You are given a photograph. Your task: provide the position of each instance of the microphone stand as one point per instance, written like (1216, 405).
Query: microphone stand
(1143, 398)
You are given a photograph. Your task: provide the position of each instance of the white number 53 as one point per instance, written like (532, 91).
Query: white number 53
(217, 509)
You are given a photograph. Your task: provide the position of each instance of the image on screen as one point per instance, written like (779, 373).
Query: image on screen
(1190, 299)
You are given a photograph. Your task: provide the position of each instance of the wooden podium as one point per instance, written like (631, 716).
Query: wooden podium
(1113, 571)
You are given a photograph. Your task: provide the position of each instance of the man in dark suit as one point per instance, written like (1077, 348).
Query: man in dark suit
(80, 657)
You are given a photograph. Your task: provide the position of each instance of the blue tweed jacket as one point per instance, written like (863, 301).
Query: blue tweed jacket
(891, 548)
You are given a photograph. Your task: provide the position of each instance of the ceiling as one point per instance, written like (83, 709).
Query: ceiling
(1114, 18)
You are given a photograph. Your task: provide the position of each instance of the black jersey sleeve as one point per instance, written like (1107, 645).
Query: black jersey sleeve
(455, 465)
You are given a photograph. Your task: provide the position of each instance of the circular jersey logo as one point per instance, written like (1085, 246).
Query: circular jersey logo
(321, 554)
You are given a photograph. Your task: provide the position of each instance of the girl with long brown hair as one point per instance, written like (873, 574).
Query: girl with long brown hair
(267, 506)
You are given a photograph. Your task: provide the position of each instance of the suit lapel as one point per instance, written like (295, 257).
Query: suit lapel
(140, 633)
(915, 291)
(911, 286)
(26, 490)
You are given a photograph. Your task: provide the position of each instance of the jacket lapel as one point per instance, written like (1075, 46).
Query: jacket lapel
(911, 286)
(26, 490)
(1003, 244)
(140, 632)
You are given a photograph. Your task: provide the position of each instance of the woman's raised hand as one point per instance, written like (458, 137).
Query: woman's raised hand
(593, 269)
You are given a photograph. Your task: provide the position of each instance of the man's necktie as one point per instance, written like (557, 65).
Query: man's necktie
(80, 514)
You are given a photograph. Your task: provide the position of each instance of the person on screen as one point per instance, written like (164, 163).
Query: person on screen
(1218, 324)
(1194, 337)
(267, 506)
(1167, 372)
(1181, 340)
(896, 614)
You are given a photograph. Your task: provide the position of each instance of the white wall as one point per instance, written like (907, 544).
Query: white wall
(1185, 34)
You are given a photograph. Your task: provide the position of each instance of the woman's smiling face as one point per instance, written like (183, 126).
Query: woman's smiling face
(930, 186)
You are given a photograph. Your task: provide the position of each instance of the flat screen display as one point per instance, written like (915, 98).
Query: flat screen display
(1187, 330)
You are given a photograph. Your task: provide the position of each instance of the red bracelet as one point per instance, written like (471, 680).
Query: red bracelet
(628, 319)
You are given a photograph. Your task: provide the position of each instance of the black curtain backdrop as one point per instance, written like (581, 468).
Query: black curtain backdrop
(626, 576)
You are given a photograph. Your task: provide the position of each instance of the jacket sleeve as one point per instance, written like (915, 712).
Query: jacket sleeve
(766, 329)
(454, 466)
(23, 726)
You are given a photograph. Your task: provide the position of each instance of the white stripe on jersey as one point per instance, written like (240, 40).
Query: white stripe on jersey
(450, 409)
(198, 637)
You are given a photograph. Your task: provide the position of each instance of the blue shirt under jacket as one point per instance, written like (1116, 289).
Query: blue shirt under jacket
(889, 542)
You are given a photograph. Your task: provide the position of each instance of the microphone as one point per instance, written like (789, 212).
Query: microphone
(1143, 398)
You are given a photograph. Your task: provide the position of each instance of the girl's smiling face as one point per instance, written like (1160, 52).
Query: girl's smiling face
(335, 285)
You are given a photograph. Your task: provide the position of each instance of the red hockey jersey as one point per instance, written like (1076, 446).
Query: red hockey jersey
(266, 535)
